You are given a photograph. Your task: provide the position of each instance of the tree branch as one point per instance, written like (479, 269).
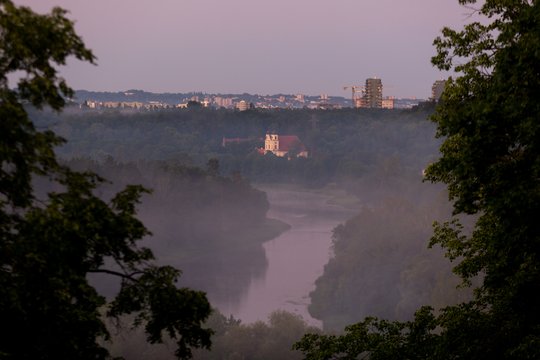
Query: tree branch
(130, 277)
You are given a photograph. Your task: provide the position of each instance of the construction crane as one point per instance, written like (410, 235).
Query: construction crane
(355, 89)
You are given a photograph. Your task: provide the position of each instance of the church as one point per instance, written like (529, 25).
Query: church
(284, 145)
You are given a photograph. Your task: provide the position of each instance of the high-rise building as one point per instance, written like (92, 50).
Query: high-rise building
(373, 94)
(437, 90)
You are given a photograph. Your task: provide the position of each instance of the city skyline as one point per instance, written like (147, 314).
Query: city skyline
(239, 46)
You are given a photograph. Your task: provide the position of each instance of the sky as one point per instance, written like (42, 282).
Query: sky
(309, 47)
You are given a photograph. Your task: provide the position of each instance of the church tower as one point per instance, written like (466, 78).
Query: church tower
(271, 142)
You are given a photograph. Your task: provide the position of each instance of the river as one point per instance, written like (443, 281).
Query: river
(295, 259)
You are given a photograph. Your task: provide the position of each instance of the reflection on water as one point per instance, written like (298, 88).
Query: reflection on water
(295, 259)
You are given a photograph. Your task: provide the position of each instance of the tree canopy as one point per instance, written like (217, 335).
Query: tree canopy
(490, 160)
(49, 244)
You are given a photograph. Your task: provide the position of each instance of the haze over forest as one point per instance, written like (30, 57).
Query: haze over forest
(209, 219)
(278, 180)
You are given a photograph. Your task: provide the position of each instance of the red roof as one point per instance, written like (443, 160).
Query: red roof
(289, 142)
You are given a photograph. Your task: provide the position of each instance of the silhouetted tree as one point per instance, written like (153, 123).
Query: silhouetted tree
(489, 119)
(48, 246)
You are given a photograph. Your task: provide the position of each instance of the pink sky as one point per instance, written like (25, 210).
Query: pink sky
(265, 47)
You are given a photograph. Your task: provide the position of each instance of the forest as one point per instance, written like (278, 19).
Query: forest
(118, 230)
(344, 144)
(208, 219)
(210, 226)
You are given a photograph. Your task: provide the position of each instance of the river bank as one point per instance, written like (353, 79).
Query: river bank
(296, 258)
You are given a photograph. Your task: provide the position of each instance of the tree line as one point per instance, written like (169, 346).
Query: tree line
(488, 120)
(50, 243)
(342, 144)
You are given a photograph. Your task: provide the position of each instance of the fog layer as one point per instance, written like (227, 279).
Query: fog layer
(209, 221)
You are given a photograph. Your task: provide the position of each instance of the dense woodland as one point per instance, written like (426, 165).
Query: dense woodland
(66, 231)
(382, 266)
(343, 144)
(211, 227)
(207, 220)
(269, 340)
(203, 220)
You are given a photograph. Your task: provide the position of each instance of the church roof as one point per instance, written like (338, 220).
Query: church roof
(289, 142)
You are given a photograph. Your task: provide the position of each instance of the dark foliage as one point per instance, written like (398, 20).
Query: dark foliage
(490, 160)
(49, 245)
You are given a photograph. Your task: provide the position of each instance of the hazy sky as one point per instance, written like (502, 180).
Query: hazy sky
(255, 46)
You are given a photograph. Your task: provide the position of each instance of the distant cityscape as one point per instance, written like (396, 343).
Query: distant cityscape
(368, 96)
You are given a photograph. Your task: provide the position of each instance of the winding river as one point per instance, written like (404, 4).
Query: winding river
(295, 259)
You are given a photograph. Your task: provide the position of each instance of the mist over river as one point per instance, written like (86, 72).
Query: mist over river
(295, 259)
